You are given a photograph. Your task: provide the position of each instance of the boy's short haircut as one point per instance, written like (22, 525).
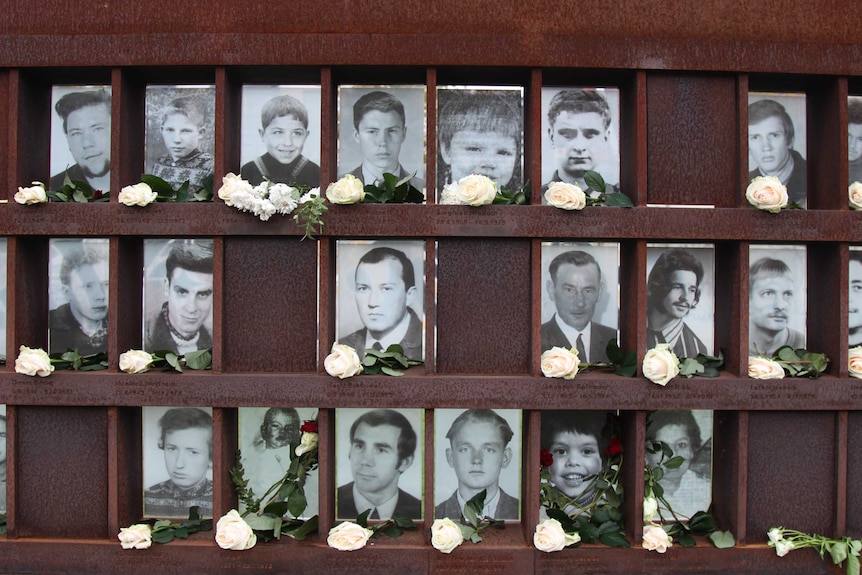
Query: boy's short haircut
(81, 256)
(579, 102)
(180, 418)
(74, 101)
(481, 416)
(591, 423)
(854, 111)
(763, 109)
(480, 111)
(188, 106)
(284, 105)
(377, 101)
(769, 268)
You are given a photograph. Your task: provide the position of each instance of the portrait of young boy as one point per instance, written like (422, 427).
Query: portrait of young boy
(280, 139)
(180, 128)
(483, 448)
(183, 436)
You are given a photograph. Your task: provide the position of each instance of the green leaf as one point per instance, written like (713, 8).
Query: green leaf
(614, 540)
(838, 551)
(165, 536)
(674, 462)
(201, 359)
(265, 522)
(305, 529)
(276, 508)
(297, 502)
(594, 181)
(684, 539)
(174, 361)
(392, 530)
(362, 520)
(690, 367)
(161, 523)
(390, 371)
(79, 197)
(158, 185)
(722, 539)
(618, 200)
(852, 565)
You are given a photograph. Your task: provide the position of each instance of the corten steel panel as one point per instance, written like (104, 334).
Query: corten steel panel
(691, 144)
(125, 459)
(854, 472)
(62, 460)
(270, 304)
(791, 471)
(125, 311)
(483, 306)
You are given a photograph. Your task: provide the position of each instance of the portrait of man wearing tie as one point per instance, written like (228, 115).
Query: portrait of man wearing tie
(580, 294)
(387, 295)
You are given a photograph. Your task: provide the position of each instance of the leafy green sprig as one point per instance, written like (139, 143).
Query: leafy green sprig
(167, 193)
(474, 522)
(389, 362)
(703, 365)
(393, 191)
(197, 360)
(624, 363)
(394, 527)
(596, 183)
(77, 191)
(840, 550)
(71, 359)
(165, 531)
(507, 197)
(800, 362)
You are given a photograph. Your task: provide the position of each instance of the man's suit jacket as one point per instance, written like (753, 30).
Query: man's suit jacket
(507, 507)
(407, 506)
(412, 342)
(553, 336)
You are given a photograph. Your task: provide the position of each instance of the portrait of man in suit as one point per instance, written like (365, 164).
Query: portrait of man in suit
(382, 448)
(385, 296)
(574, 288)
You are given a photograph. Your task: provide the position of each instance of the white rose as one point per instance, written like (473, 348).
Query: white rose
(342, 362)
(449, 195)
(232, 532)
(764, 368)
(347, 190)
(650, 508)
(33, 362)
(138, 536)
(560, 362)
(775, 535)
(656, 539)
(348, 536)
(660, 364)
(138, 195)
(549, 536)
(783, 547)
(855, 193)
(767, 193)
(307, 443)
(476, 190)
(566, 196)
(35, 194)
(231, 183)
(135, 361)
(446, 535)
(854, 362)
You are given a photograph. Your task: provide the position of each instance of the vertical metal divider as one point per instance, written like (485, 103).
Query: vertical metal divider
(428, 474)
(11, 471)
(225, 443)
(326, 470)
(842, 434)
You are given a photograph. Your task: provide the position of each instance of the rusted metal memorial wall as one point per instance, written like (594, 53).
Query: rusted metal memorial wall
(785, 453)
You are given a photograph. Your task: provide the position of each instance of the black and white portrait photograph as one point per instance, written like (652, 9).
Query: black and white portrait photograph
(854, 138)
(268, 437)
(688, 433)
(480, 130)
(580, 132)
(681, 298)
(578, 442)
(3, 298)
(78, 295)
(854, 323)
(776, 298)
(378, 462)
(476, 450)
(180, 134)
(177, 452)
(178, 295)
(2, 458)
(580, 297)
(380, 295)
(280, 138)
(777, 140)
(381, 130)
(81, 136)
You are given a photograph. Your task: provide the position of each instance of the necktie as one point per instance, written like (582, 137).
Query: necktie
(582, 352)
(374, 514)
(377, 346)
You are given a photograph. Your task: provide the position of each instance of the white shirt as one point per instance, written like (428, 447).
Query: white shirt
(384, 510)
(490, 508)
(393, 337)
(572, 335)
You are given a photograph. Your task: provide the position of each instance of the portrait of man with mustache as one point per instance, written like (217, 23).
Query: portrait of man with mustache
(771, 302)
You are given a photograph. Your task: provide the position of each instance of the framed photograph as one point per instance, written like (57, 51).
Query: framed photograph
(580, 297)
(477, 449)
(854, 138)
(180, 134)
(78, 295)
(580, 132)
(381, 129)
(177, 457)
(268, 437)
(578, 442)
(3, 298)
(777, 140)
(480, 130)
(81, 136)
(378, 462)
(681, 298)
(688, 433)
(2, 458)
(380, 287)
(178, 295)
(280, 138)
(776, 298)
(854, 321)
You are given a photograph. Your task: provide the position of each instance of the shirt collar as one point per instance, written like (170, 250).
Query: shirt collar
(385, 510)
(395, 336)
(572, 335)
(490, 508)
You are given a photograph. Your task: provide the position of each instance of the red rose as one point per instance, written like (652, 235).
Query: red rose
(545, 458)
(614, 447)
(309, 426)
